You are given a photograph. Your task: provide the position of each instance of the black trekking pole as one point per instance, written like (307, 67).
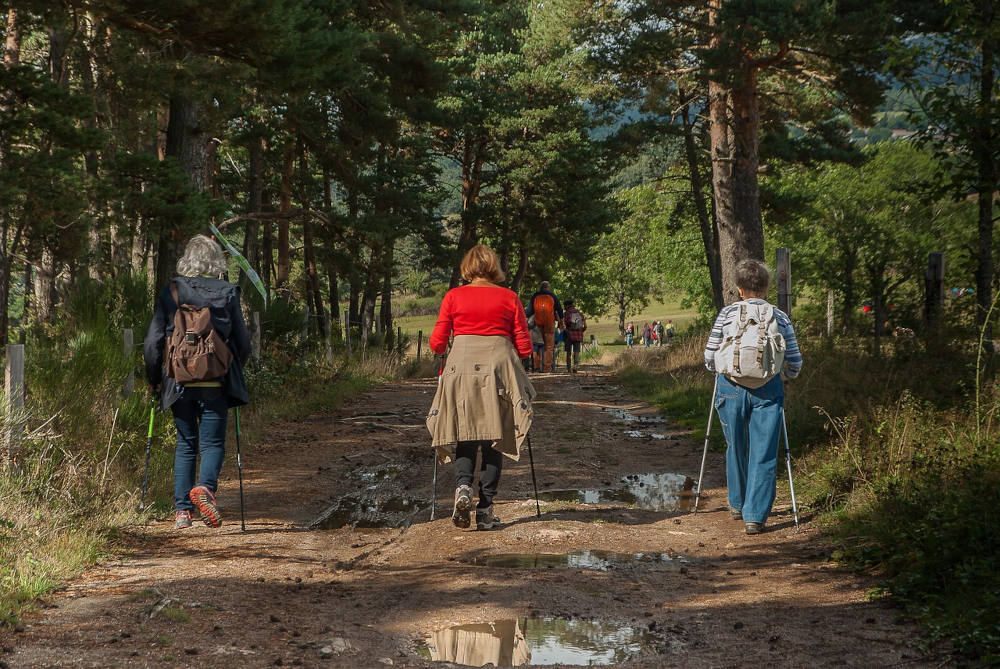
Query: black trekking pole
(534, 482)
(239, 468)
(788, 464)
(149, 446)
(704, 452)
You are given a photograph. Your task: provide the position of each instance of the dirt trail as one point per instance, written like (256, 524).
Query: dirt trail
(283, 593)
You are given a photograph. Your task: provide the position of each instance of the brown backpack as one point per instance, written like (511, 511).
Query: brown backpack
(195, 351)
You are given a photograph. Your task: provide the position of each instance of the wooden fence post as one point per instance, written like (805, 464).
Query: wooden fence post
(934, 288)
(784, 270)
(128, 349)
(347, 331)
(328, 340)
(829, 313)
(420, 341)
(15, 399)
(255, 338)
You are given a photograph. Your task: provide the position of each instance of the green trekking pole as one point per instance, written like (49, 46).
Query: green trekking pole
(239, 468)
(149, 446)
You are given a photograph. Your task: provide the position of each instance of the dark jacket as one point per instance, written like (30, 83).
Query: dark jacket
(223, 299)
(531, 304)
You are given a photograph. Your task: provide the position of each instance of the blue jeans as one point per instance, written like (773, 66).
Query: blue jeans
(751, 422)
(200, 417)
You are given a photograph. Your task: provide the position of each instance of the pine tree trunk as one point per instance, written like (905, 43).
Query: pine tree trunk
(284, 206)
(385, 309)
(522, 269)
(734, 136)
(473, 156)
(45, 287)
(986, 189)
(11, 59)
(189, 143)
(331, 277)
(709, 232)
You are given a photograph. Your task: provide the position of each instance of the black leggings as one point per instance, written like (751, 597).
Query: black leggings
(489, 473)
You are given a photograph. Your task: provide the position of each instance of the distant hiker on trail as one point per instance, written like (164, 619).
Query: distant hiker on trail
(751, 347)
(194, 361)
(658, 333)
(574, 325)
(647, 335)
(668, 331)
(545, 307)
(629, 335)
(483, 400)
(537, 345)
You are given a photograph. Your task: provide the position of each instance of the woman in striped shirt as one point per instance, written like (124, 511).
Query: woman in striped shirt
(751, 417)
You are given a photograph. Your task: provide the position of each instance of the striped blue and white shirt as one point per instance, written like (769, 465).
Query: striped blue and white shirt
(793, 357)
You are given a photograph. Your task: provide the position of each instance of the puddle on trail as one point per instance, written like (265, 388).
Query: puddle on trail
(380, 502)
(649, 492)
(541, 641)
(629, 417)
(583, 559)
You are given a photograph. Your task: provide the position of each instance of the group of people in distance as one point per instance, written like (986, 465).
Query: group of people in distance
(197, 344)
(656, 334)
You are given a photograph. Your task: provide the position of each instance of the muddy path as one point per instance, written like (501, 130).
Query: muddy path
(633, 578)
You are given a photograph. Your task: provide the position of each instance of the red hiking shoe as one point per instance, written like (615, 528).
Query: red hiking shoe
(205, 501)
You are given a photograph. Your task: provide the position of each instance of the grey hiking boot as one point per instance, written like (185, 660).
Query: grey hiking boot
(486, 519)
(182, 520)
(462, 514)
(736, 514)
(754, 528)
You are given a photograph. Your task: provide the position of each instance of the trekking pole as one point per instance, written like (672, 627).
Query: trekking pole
(704, 452)
(788, 464)
(149, 446)
(434, 479)
(534, 482)
(239, 468)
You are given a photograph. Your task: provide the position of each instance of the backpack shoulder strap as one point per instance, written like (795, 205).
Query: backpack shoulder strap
(173, 292)
(741, 329)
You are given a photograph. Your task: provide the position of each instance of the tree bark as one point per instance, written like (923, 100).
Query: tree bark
(385, 309)
(522, 269)
(331, 277)
(284, 206)
(188, 143)
(255, 203)
(473, 157)
(986, 188)
(709, 231)
(11, 59)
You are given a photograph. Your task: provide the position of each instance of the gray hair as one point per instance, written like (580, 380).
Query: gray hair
(202, 257)
(753, 276)
(545, 286)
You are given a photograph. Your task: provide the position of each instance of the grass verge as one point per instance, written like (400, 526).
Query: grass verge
(897, 459)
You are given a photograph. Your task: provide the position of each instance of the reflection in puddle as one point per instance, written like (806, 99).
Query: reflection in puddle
(650, 492)
(540, 641)
(629, 417)
(582, 559)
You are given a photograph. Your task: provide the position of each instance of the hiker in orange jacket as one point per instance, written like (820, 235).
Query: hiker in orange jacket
(545, 307)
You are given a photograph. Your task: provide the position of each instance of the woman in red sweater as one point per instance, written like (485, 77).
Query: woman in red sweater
(483, 400)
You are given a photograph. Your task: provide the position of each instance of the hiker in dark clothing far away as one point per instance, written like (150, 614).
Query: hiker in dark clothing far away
(199, 372)
(545, 307)
(574, 325)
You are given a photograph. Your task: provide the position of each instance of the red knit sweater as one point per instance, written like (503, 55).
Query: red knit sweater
(485, 311)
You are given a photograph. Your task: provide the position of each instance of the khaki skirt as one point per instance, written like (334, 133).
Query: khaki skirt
(483, 395)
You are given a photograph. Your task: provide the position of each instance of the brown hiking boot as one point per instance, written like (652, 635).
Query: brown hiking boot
(754, 528)
(462, 514)
(205, 501)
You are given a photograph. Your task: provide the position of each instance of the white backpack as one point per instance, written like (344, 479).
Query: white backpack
(753, 350)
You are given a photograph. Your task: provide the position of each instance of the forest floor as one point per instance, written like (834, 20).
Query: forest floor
(674, 588)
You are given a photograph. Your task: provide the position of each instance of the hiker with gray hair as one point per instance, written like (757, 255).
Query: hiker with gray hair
(195, 349)
(751, 349)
